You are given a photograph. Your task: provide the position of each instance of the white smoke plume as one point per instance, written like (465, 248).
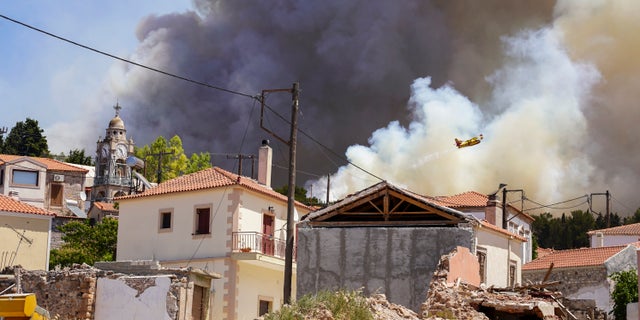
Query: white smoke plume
(551, 85)
(534, 130)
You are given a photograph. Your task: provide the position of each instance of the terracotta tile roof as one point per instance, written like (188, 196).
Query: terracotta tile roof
(463, 200)
(8, 204)
(209, 179)
(629, 229)
(544, 251)
(50, 164)
(105, 206)
(582, 257)
(487, 224)
(470, 199)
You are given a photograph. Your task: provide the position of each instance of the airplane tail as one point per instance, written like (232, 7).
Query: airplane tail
(458, 142)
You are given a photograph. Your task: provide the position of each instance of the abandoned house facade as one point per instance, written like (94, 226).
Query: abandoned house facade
(217, 221)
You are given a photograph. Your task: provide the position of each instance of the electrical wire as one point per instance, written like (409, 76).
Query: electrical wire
(551, 206)
(254, 97)
(126, 60)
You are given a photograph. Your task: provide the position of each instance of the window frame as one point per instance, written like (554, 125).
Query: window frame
(59, 200)
(161, 214)
(37, 178)
(197, 221)
(480, 251)
(268, 301)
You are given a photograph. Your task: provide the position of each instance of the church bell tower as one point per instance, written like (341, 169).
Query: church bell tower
(113, 176)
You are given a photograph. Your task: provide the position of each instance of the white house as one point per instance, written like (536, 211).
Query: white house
(216, 221)
(615, 236)
(25, 235)
(500, 251)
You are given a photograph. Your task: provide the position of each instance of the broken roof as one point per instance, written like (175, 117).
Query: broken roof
(385, 204)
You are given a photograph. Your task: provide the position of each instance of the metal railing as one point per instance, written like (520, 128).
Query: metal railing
(118, 181)
(259, 242)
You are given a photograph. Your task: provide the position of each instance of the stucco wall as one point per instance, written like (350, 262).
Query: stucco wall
(398, 262)
(500, 250)
(14, 251)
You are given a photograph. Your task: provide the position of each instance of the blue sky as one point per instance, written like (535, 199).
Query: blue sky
(63, 86)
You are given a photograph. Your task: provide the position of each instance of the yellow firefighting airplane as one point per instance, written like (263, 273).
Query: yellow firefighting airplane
(468, 143)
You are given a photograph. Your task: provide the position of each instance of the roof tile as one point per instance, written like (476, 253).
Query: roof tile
(8, 204)
(50, 164)
(207, 179)
(582, 257)
(629, 229)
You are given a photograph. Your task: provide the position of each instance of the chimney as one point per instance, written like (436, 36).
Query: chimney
(493, 211)
(265, 159)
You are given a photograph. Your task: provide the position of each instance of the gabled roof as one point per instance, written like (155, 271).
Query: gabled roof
(385, 204)
(628, 230)
(471, 199)
(583, 257)
(50, 164)
(208, 179)
(8, 204)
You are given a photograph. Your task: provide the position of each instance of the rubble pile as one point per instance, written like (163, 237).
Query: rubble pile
(460, 300)
(383, 309)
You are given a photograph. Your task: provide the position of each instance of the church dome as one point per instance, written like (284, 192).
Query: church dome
(116, 123)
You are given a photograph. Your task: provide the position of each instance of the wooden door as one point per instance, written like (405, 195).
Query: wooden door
(267, 234)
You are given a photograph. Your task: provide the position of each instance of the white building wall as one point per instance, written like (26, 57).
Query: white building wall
(612, 240)
(259, 283)
(27, 194)
(500, 251)
(15, 230)
(140, 236)
(115, 300)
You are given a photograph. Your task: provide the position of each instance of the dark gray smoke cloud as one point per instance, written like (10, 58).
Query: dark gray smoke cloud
(355, 61)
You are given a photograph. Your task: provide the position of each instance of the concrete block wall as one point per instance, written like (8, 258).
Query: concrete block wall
(398, 262)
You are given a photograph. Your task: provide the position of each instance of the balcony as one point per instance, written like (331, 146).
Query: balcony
(114, 181)
(256, 242)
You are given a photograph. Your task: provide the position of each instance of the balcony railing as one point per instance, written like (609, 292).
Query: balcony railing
(261, 243)
(117, 181)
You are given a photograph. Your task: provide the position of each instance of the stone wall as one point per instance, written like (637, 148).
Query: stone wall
(397, 262)
(72, 293)
(585, 289)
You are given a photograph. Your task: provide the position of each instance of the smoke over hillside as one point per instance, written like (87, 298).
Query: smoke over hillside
(550, 85)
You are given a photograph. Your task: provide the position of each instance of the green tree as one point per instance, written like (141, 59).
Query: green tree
(173, 161)
(624, 292)
(198, 161)
(26, 139)
(86, 243)
(635, 218)
(77, 156)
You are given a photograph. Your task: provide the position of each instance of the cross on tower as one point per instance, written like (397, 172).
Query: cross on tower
(117, 107)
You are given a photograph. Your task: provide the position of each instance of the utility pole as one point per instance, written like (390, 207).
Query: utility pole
(241, 157)
(159, 156)
(293, 137)
(608, 213)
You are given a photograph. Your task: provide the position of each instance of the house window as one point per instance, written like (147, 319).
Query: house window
(1, 177)
(55, 199)
(29, 178)
(264, 306)
(512, 273)
(482, 261)
(203, 216)
(166, 220)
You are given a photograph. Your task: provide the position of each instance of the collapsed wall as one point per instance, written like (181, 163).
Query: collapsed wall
(82, 292)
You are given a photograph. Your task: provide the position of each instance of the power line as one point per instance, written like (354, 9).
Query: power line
(551, 206)
(126, 60)
(191, 81)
